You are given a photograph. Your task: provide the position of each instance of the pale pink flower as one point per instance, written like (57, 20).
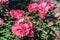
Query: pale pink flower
(57, 15)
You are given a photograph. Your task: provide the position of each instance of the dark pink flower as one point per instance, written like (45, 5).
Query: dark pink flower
(1, 21)
(22, 30)
(17, 13)
(33, 7)
(57, 15)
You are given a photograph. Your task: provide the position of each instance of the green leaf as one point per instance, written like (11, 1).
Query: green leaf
(1, 10)
(44, 26)
(16, 38)
(27, 13)
(38, 22)
(3, 38)
(37, 15)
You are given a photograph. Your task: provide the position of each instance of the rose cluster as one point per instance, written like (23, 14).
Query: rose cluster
(21, 29)
(23, 26)
(42, 7)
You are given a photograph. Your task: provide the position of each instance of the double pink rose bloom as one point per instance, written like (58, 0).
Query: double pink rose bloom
(22, 30)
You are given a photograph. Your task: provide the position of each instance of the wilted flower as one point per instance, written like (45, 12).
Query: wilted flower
(22, 30)
(17, 13)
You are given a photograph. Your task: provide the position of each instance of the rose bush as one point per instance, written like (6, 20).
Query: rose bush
(40, 21)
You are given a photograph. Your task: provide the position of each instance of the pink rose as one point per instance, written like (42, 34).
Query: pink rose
(22, 30)
(18, 30)
(17, 13)
(57, 15)
(33, 7)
